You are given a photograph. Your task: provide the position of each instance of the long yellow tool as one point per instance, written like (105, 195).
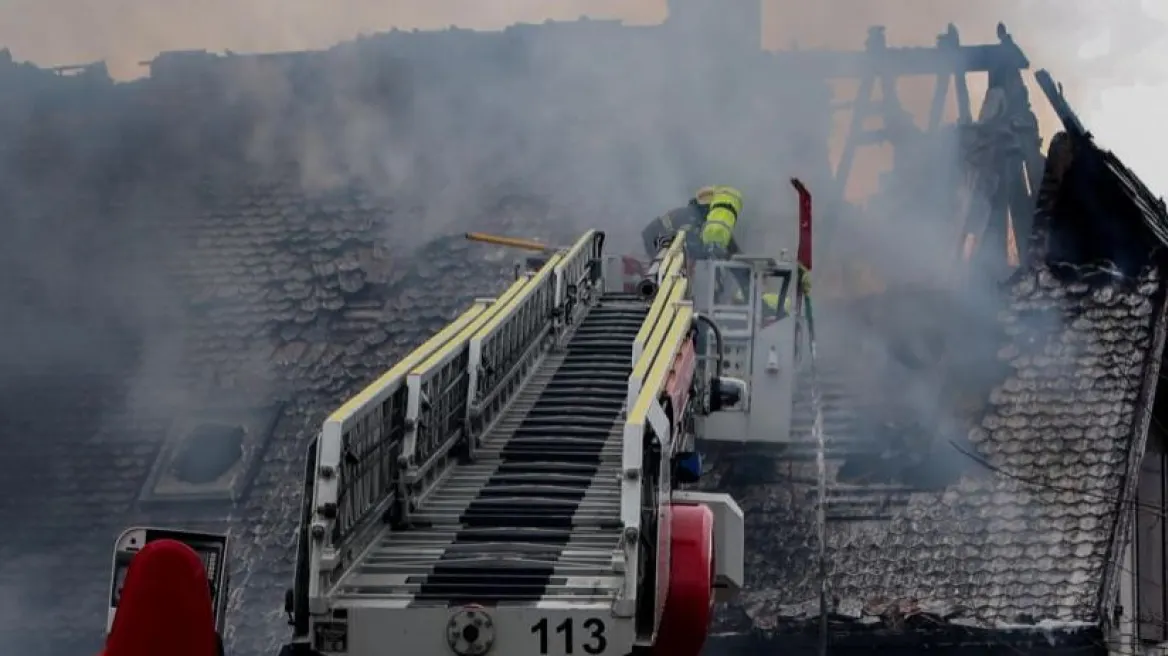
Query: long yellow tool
(516, 242)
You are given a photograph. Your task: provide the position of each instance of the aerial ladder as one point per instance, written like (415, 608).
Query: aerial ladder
(523, 483)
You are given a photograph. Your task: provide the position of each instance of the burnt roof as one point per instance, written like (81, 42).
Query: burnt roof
(139, 313)
(281, 315)
(1025, 531)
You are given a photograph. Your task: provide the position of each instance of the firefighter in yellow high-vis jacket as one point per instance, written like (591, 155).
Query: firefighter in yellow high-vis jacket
(689, 217)
(710, 219)
(716, 240)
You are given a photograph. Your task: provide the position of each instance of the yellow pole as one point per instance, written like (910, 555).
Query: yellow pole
(516, 242)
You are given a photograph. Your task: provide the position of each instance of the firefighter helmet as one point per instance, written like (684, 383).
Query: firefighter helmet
(704, 195)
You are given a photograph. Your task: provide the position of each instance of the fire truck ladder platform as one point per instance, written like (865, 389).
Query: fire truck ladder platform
(537, 516)
(484, 468)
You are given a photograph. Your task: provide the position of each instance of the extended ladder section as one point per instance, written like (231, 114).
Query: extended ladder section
(536, 517)
(489, 491)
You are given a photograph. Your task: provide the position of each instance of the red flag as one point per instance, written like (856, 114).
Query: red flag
(802, 305)
(804, 256)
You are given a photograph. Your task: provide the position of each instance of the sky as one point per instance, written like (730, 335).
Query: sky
(1119, 85)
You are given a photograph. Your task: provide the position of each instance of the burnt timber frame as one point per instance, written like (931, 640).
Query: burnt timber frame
(1002, 148)
(1002, 145)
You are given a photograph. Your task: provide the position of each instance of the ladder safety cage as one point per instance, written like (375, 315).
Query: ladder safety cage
(498, 346)
(358, 468)
(503, 351)
(383, 449)
(647, 412)
(436, 411)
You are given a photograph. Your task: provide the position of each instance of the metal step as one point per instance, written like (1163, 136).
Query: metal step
(537, 516)
(845, 439)
(841, 425)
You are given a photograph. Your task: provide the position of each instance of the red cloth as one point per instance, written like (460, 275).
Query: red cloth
(165, 609)
(804, 256)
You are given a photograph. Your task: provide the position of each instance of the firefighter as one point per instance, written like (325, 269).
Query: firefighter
(165, 607)
(710, 219)
(704, 240)
(688, 217)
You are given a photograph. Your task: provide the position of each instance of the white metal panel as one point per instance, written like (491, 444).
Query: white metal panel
(537, 630)
(763, 355)
(729, 540)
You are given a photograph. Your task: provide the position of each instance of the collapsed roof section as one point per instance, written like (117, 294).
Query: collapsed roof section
(1021, 546)
(1095, 208)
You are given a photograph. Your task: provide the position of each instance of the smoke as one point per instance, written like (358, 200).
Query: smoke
(554, 128)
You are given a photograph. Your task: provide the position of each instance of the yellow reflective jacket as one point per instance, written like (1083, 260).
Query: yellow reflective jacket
(771, 308)
(718, 229)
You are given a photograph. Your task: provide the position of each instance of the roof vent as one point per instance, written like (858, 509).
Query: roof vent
(209, 451)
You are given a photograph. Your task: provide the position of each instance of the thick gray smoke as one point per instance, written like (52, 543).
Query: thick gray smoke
(602, 126)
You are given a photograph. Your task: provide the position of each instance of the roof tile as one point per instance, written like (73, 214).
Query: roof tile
(1024, 536)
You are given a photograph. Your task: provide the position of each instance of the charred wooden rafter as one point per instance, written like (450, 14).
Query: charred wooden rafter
(1001, 146)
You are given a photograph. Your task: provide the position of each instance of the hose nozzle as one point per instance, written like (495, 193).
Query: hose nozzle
(647, 288)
